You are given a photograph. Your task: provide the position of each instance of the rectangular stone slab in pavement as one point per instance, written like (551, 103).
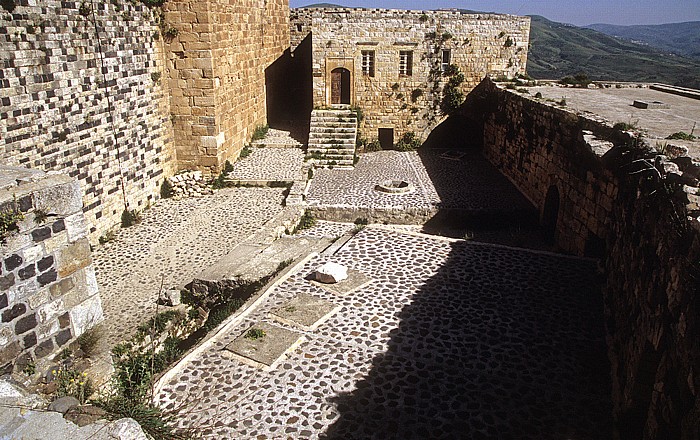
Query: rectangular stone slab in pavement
(305, 311)
(355, 280)
(264, 351)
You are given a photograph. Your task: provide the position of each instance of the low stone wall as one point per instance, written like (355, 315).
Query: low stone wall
(606, 194)
(48, 289)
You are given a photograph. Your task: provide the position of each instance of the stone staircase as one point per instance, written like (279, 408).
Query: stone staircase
(332, 137)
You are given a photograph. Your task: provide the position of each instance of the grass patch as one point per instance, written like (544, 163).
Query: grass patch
(307, 221)
(260, 132)
(683, 136)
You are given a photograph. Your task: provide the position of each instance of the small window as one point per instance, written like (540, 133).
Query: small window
(299, 27)
(446, 60)
(368, 62)
(406, 63)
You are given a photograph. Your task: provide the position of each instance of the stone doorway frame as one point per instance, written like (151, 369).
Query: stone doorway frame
(335, 63)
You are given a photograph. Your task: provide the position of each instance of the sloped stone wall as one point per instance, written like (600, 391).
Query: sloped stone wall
(479, 44)
(643, 225)
(81, 91)
(48, 289)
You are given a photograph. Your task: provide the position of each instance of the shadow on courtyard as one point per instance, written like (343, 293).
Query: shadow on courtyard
(498, 344)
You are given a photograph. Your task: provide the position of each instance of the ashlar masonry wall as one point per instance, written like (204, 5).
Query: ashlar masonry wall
(48, 289)
(81, 90)
(478, 44)
(616, 199)
(216, 70)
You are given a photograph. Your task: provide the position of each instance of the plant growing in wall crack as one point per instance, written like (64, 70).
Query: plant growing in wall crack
(9, 221)
(452, 95)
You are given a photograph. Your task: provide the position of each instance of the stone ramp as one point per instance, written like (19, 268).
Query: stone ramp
(332, 138)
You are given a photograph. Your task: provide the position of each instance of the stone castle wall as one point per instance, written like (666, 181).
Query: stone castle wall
(80, 91)
(217, 74)
(480, 45)
(48, 289)
(645, 228)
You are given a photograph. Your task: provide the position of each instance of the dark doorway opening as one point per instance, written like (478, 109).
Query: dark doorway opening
(550, 214)
(340, 86)
(386, 138)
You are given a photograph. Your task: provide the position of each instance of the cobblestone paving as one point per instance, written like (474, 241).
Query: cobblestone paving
(450, 340)
(176, 240)
(471, 183)
(270, 164)
(277, 138)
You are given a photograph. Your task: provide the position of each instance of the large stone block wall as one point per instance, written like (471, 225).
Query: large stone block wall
(48, 289)
(216, 67)
(645, 228)
(80, 92)
(541, 148)
(480, 44)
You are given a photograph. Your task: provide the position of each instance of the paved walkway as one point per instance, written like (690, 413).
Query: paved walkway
(176, 240)
(281, 164)
(469, 183)
(450, 340)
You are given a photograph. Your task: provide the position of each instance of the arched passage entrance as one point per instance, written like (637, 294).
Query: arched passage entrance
(340, 86)
(550, 213)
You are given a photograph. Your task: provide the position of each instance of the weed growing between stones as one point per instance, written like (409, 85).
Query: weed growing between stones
(260, 132)
(408, 142)
(9, 221)
(166, 189)
(245, 152)
(683, 136)
(108, 237)
(87, 342)
(255, 334)
(452, 95)
(73, 383)
(130, 218)
(305, 222)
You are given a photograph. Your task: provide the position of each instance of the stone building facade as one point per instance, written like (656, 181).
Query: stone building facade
(120, 96)
(217, 74)
(394, 64)
(48, 289)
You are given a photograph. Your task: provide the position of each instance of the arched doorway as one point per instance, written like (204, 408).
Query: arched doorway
(550, 214)
(340, 86)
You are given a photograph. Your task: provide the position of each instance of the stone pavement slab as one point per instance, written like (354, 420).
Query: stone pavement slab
(304, 311)
(265, 347)
(453, 339)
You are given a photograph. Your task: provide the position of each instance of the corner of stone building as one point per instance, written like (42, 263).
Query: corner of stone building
(48, 290)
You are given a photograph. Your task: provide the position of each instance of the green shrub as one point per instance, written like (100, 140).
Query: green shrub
(108, 237)
(228, 167)
(416, 94)
(255, 333)
(71, 382)
(305, 222)
(408, 142)
(9, 221)
(624, 126)
(260, 132)
(87, 342)
(166, 189)
(683, 136)
(130, 218)
(245, 152)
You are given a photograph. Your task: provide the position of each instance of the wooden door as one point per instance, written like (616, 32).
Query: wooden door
(336, 86)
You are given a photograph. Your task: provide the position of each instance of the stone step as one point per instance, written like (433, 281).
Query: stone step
(345, 151)
(347, 141)
(340, 121)
(334, 113)
(324, 129)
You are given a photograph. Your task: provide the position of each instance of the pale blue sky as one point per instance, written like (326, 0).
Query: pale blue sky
(578, 12)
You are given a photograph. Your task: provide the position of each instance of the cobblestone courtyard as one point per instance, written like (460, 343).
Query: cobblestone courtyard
(450, 339)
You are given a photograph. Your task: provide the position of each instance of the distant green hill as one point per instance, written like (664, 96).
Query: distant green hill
(558, 49)
(680, 38)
